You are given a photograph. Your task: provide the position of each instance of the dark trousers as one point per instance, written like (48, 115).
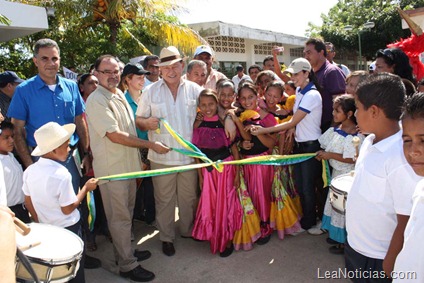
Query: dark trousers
(21, 212)
(306, 174)
(80, 276)
(100, 223)
(363, 266)
(145, 201)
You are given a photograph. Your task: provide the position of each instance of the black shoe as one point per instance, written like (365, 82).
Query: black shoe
(168, 248)
(337, 250)
(138, 274)
(91, 262)
(331, 241)
(227, 252)
(142, 255)
(264, 240)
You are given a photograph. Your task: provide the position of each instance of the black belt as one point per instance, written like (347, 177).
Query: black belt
(307, 142)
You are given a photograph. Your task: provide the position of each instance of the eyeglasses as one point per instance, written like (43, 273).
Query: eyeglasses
(386, 53)
(109, 73)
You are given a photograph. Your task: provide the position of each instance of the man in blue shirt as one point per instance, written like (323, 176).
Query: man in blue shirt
(44, 98)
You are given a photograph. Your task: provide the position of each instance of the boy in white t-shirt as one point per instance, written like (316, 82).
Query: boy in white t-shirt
(12, 173)
(49, 195)
(411, 257)
(379, 203)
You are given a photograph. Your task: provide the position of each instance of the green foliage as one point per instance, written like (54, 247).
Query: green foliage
(357, 12)
(127, 29)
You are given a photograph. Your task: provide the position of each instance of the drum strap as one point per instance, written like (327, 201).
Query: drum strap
(27, 265)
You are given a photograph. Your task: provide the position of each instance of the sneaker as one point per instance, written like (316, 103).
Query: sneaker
(300, 231)
(316, 230)
(138, 274)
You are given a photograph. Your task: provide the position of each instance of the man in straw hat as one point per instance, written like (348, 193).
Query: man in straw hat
(175, 100)
(47, 185)
(114, 144)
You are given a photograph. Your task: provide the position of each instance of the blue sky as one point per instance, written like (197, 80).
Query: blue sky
(284, 16)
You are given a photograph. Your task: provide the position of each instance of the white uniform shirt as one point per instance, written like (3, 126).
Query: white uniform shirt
(12, 171)
(3, 197)
(382, 188)
(49, 184)
(308, 100)
(236, 80)
(157, 101)
(411, 257)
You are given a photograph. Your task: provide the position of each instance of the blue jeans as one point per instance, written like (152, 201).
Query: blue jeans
(306, 174)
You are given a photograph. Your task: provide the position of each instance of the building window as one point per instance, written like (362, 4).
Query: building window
(296, 52)
(265, 48)
(228, 44)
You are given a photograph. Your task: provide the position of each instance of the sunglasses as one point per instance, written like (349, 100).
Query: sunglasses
(386, 53)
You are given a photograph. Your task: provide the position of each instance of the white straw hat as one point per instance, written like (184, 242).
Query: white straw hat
(50, 136)
(169, 55)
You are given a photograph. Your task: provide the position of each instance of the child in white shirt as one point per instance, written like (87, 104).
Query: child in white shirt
(12, 173)
(411, 257)
(49, 195)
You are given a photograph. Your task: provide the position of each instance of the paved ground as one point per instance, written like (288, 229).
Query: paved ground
(303, 258)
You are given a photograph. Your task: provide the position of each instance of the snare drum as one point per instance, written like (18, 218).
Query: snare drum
(339, 189)
(56, 259)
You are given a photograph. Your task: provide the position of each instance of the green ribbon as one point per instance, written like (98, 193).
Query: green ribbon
(191, 150)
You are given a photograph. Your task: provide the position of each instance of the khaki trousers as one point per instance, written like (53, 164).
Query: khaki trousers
(118, 201)
(171, 189)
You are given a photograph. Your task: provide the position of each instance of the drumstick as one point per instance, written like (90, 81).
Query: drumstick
(21, 227)
(356, 142)
(27, 247)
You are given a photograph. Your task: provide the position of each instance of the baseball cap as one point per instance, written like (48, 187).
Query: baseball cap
(372, 66)
(299, 64)
(203, 49)
(135, 69)
(9, 77)
(239, 68)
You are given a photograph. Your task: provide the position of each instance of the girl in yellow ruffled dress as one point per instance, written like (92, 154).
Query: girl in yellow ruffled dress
(285, 203)
(250, 230)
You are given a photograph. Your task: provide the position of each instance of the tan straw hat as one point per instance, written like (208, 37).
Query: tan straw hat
(169, 55)
(50, 136)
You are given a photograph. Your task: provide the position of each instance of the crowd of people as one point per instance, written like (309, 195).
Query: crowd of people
(56, 136)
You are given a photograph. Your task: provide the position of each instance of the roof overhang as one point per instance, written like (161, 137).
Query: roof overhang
(218, 28)
(25, 20)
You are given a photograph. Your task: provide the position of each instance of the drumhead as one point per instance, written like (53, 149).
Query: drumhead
(57, 244)
(343, 182)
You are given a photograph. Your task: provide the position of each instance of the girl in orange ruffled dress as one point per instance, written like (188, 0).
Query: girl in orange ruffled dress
(258, 178)
(285, 206)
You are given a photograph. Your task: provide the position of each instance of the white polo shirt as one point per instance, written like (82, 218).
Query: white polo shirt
(13, 172)
(411, 257)
(308, 100)
(157, 101)
(49, 184)
(382, 188)
(3, 197)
